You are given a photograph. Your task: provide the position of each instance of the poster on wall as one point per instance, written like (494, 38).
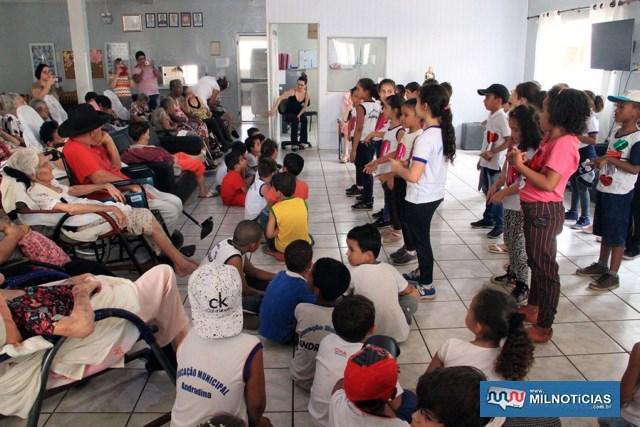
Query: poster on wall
(114, 51)
(68, 65)
(43, 53)
(95, 58)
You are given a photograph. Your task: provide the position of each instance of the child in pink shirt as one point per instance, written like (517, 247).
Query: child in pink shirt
(564, 115)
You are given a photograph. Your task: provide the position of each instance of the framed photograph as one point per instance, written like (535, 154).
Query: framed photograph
(131, 23)
(185, 19)
(150, 20)
(162, 20)
(43, 53)
(214, 48)
(114, 51)
(197, 19)
(173, 20)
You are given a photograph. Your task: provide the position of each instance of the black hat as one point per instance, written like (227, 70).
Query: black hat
(83, 118)
(498, 90)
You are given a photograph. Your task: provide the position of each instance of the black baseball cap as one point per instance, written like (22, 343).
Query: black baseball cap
(498, 90)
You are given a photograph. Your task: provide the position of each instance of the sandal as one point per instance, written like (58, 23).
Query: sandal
(497, 249)
(209, 195)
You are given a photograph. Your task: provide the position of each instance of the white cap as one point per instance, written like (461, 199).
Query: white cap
(629, 96)
(215, 295)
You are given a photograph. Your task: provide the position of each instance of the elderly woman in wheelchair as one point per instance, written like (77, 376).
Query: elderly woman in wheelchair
(34, 170)
(33, 317)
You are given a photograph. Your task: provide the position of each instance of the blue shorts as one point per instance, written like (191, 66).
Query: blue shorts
(611, 218)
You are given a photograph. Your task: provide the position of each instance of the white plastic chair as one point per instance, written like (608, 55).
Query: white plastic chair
(31, 123)
(116, 105)
(55, 109)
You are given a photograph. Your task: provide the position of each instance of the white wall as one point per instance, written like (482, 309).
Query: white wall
(469, 43)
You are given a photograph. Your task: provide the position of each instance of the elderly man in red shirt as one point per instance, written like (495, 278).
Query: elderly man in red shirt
(94, 159)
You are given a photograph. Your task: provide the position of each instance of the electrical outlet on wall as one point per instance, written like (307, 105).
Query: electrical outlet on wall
(107, 18)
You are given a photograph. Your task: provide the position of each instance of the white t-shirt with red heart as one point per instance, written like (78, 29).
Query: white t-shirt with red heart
(496, 129)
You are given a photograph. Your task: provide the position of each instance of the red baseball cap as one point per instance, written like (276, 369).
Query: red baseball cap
(371, 374)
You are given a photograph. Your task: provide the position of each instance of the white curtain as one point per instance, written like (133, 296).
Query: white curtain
(547, 48)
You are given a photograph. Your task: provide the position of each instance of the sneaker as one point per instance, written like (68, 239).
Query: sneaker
(483, 223)
(538, 336)
(381, 223)
(571, 215)
(530, 315)
(398, 253)
(605, 282)
(505, 279)
(520, 293)
(631, 254)
(427, 292)
(354, 193)
(413, 276)
(495, 233)
(352, 188)
(594, 269)
(404, 259)
(378, 214)
(581, 223)
(391, 236)
(363, 206)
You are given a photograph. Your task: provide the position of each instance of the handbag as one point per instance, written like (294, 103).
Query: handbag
(39, 248)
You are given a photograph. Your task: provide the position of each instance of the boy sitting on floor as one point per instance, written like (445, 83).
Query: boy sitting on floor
(288, 219)
(246, 239)
(233, 189)
(394, 298)
(287, 289)
(329, 279)
(292, 163)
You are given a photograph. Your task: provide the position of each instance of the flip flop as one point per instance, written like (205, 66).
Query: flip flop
(209, 195)
(497, 249)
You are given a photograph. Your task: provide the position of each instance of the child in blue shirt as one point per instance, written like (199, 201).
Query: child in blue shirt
(285, 292)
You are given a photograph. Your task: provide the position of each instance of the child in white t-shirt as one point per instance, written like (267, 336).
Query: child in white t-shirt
(235, 382)
(492, 155)
(255, 204)
(394, 298)
(390, 140)
(353, 320)
(492, 316)
(253, 152)
(426, 176)
(329, 279)
(363, 398)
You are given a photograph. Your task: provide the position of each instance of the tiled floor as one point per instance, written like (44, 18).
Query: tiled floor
(592, 337)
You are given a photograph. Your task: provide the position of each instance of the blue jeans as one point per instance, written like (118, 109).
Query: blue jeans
(494, 213)
(579, 196)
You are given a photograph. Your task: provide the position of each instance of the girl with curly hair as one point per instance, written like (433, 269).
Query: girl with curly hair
(492, 316)
(563, 117)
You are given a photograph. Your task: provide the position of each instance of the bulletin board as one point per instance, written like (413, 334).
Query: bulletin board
(352, 58)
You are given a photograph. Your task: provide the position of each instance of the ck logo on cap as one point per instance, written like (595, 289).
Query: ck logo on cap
(218, 303)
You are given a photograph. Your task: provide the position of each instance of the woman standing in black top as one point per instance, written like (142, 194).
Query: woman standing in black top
(297, 102)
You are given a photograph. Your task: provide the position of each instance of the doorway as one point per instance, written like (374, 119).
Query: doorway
(294, 50)
(253, 77)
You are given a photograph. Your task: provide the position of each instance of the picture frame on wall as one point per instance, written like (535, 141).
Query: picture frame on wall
(131, 23)
(113, 51)
(185, 19)
(162, 20)
(43, 53)
(198, 19)
(174, 19)
(150, 20)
